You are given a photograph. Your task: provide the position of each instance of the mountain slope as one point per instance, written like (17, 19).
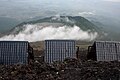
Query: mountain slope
(79, 21)
(110, 26)
(7, 23)
(56, 27)
(66, 20)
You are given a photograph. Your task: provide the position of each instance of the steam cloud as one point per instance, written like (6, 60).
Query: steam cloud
(92, 13)
(34, 33)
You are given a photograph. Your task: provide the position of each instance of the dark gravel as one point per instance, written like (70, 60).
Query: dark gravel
(69, 69)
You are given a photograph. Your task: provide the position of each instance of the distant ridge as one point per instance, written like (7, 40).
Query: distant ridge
(56, 27)
(79, 21)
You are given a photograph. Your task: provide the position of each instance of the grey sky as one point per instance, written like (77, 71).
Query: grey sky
(32, 8)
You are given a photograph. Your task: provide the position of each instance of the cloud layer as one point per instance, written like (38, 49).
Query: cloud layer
(34, 33)
(92, 13)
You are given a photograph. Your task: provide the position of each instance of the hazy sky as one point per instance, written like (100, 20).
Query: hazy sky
(103, 11)
(30, 8)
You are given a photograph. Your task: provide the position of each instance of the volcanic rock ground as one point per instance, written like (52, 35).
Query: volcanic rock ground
(69, 69)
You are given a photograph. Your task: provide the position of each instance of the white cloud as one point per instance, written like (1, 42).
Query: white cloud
(34, 33)
(86, 13)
